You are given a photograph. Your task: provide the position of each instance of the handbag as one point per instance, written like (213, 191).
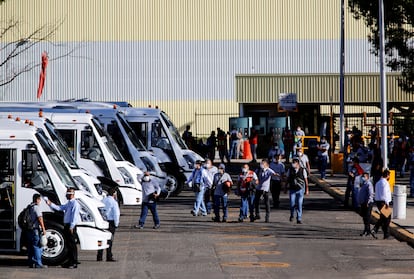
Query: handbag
(197, 187)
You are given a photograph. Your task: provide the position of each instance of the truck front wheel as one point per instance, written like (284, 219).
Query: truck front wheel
(56, 250)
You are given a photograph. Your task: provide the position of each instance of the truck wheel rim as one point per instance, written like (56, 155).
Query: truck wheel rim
(55, 244)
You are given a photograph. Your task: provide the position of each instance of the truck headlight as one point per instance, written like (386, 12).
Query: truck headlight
(190, 161)
(126, 176)
(102, 211)
(85, 213)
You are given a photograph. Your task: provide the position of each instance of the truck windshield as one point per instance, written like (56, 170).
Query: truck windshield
(56, 162)
(174, 132)
(61, 146)
(131, 134)
(108, 141)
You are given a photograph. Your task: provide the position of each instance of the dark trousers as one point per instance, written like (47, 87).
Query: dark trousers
(72, 248)
(275, 187)
(383, 222)
(259, 194)
(207, 199)
(109, 255)
(366, 216)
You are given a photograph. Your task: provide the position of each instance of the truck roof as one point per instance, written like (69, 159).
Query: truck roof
(137, 112)
(18, 130)
(61, 116)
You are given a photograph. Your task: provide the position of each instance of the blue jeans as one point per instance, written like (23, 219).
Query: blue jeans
(296, 202)
(217, 201)
(34, 248)
(253, 150)
(199, 202)
(233, 149)
(411, 180)
(244, 207)
(144, 212)
(323, 164)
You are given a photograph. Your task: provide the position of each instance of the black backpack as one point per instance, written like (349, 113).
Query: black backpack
(25, 219)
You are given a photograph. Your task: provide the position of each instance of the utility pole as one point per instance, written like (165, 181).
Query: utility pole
(383, 92)
(341, 81)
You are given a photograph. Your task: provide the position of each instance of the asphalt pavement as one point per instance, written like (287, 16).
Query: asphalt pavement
(327, 245)
(401, 228)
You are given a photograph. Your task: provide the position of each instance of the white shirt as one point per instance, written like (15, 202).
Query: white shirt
(383, 191)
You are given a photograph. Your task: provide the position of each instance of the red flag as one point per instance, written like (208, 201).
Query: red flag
(45, 60)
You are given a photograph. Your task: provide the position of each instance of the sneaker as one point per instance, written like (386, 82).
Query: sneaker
(299, 222)
(139, 227)
(203, 214)
(40, 266)
(156, 227)
(111, 260)
(224, 220)
(257, 217)
(240, 219)
(291, 218)
(193, 213)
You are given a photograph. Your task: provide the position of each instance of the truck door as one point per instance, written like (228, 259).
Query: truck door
(7, 199)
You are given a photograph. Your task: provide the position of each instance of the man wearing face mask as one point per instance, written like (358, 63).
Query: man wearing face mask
(383, 199)
(276, 181)
(222, 182)
(211, 171)
(71, 218)
(298, 186)
(199, 181)
(150, 192)
(263, 188)
(323, 149)
(366, 200)
(304, 161)
(246, 187)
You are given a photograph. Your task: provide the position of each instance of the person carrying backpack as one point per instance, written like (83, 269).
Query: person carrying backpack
(35, 228)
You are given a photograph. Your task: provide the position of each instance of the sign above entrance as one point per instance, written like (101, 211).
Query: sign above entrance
(287, 102)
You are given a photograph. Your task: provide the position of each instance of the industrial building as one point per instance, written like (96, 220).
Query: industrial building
(202, 61)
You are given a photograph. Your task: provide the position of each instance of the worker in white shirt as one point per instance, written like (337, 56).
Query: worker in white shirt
(383, 199)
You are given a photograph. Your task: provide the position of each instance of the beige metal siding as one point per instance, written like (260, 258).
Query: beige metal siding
(359, 88)
(140, 20)
(203, 116)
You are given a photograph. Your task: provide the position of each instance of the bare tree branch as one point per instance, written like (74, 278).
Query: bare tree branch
(19, 46)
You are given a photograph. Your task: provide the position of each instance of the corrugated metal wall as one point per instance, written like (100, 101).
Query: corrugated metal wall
(160, 20)
(203, 117)
(318, 88)
(181, 54)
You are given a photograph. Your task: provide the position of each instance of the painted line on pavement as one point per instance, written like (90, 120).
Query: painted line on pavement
(248, 252)
(245, 244)
(255, 264)
(241, 236)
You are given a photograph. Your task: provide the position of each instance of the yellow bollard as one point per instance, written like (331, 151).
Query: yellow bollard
(337, 163)
(392, 180)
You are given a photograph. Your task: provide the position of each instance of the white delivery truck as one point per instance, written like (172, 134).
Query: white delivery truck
(29, 164)
(96, 152)
(91, 147)
(85, 180)
(130, 146)
(160, 136)
(127, 142)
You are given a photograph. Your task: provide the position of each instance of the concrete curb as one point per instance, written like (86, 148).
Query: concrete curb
(396, 230)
